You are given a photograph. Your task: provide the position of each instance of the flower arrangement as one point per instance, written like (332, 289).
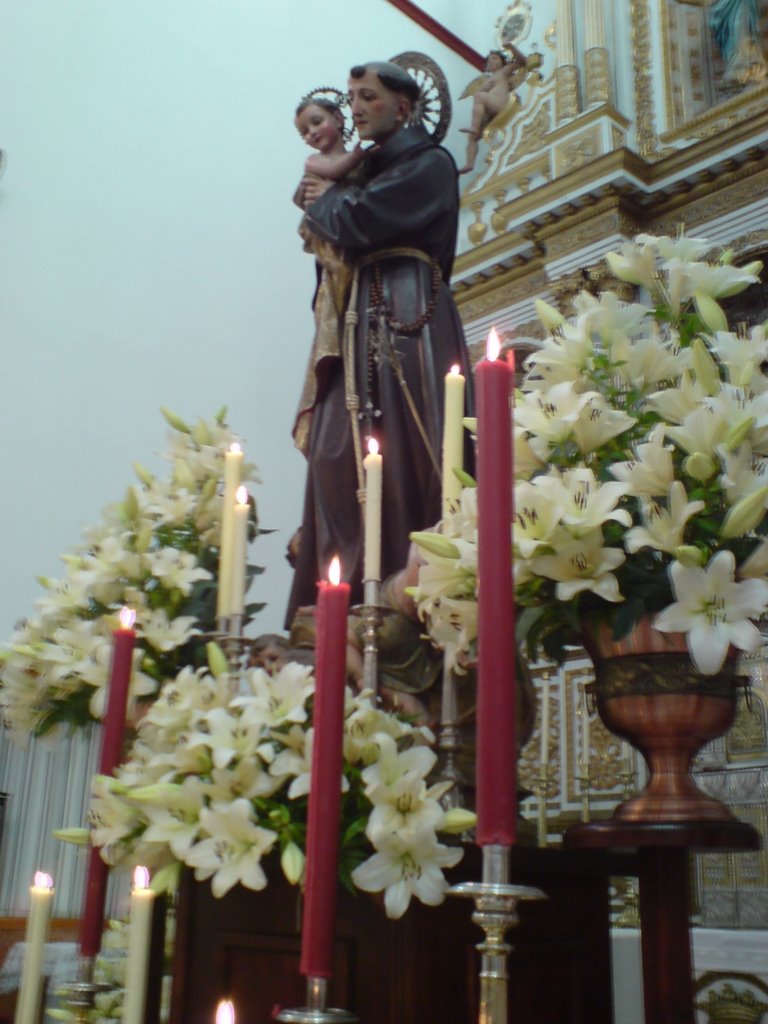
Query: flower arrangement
(641, 469)
(155, 551)
(218, 781)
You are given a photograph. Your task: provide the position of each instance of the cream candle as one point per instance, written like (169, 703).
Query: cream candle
(372, 464)
(31, 985)
(233, 468)
(225, 1012)
(240, 513)
(453, 439)
(140, 929)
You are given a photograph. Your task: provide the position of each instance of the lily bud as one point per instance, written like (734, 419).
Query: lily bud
(710, 312)
(621, 268)
(689, 555)
(143, 474)
(183, 475)
(746, 375)
(755, 268)
(76, 836)
(745, 515)
(221, 415)
(549, 316)
(208, 489)
(705, 367)
(164, 794)
(175, 421)
(737, 433)
(217, 659)
(727, 257)
(458, 820)
(435, 544)
(130, 507)
(167, 878)
(470, 422)
(143, 538)
(464, 478)
(292, 862)
(699, 466)
(200, 433)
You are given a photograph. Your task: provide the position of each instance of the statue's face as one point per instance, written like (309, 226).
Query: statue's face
(377, 111)
(320, 128)
(494, 62)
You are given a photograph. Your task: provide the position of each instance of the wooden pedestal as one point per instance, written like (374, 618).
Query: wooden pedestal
(663, 851)
(420, 969)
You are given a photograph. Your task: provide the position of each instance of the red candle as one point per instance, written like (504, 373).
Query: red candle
(496, 736)
(325, 790)
(92, 923)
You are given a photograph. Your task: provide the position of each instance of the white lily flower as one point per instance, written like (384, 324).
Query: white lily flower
(176, 569)
(582, 564)
(652, 472)
(552, 415)
(403, 871)
(279, 699)
(234, 851)
(166, 634)
(584, 502)
(714, 610)
(664, 527)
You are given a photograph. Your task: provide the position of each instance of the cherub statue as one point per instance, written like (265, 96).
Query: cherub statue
(491, 93)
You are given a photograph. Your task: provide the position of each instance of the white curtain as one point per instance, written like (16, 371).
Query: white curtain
(47, 787)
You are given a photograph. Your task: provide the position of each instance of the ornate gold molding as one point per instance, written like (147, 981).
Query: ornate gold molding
(566, 91)
(647, 140)
(502, 291)
(575, 152)
(597, 79)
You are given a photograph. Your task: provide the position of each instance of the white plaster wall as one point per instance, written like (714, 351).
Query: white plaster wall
(148, 253)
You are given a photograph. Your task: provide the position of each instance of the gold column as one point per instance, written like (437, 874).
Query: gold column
(597, 83)
(567, 76)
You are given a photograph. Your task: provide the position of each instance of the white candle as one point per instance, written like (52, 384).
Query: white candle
(544, 744)
(140, 929)
(225, 1012)
(453, 439)
(233, 467)
(626, 756)
(372, 463)
(31, 986)
(240, 513)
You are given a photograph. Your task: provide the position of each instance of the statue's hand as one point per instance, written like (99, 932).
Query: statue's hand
(313, 187)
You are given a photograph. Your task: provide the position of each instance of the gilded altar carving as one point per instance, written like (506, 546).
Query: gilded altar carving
(566, 91)
(577, 151)
(532, 134)
(597, 77)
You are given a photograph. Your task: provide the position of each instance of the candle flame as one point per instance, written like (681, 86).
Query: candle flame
(373, 446)
(235, 447)
(140, 878)
(334, 571)
(241, 495)
(492, 346)
(225, 1012)
(127, 618)
(42, 880)
(455, 370)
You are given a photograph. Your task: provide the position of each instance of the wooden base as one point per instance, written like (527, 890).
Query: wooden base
(422, 968)
(663, 853)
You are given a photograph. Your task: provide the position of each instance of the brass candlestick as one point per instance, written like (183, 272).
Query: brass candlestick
(584, 785)
(495, 911)
(316, 1011)
(80, 995)
(449, 742)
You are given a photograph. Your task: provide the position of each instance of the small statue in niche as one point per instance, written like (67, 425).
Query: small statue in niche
(735, 26)
(491, 93)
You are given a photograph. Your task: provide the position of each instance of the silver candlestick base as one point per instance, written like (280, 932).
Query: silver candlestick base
(316, 1011)
(80, 995)
(495, 912)
(371, 618)
(449, 742)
